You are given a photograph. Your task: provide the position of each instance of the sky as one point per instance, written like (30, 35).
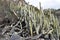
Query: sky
(55, 4)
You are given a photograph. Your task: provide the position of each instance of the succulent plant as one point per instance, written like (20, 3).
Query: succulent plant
(33, 21)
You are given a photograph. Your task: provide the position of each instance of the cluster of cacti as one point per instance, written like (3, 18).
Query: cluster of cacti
(31, 21)
(37, 21)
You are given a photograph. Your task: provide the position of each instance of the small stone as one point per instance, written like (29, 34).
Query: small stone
(16, 37)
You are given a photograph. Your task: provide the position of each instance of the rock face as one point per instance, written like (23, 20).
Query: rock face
(4, 11)
(7, 19)
(1, 18)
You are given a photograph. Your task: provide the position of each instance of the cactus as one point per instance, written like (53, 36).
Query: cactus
(36, 21)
